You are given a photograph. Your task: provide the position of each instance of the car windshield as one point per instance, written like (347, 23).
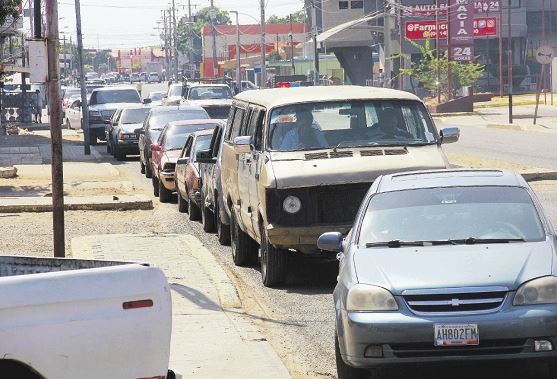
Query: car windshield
(201, 143)
(451, 214)
(209, 93)
(134, 116)
(350, 124)
(116, 96)
(156, 96)
(175, 90)
(159, 120)
(176, 136)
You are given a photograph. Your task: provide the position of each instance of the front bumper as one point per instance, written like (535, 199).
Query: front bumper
(167, 180)
(302, 238)
(406, 338)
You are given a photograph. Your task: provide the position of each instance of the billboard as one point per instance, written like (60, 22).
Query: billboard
(418, 30)
(425, 10)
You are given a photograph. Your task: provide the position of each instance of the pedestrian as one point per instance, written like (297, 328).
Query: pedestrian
(38, 110)
(381, 78)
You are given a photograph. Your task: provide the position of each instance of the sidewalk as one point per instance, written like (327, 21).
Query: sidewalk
(211, 336)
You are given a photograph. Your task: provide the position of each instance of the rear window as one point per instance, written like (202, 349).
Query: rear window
(209, 93)
(201, 143)
(159, 120)
(134, 116)
(116, 96)
(176, 136)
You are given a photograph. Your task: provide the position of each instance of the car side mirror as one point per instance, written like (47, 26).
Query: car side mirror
(331, 241)
(182, 161)
(156, 147)
(205, 156)
(449, 135)
(147, 101)
(242, 145)
(139, 131)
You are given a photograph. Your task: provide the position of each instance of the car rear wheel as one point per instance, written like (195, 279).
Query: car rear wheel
(348, 372)
(165, 195)
(148, 170)
(273, 262)
(244, 248)
(118, 153)
(155, 186)
(182, 204)
(207, 219)
(223, 231)
(108, 147)
(194, 213)
(141, 167)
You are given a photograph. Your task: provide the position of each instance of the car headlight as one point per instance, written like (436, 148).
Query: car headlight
(363, 297)
(537, 291)
(292, 204)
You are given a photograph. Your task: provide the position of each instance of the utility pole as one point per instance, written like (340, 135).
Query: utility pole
(175, 34)
(263, 83)
(65, 66)
(214, 39)
(80, 63)
(238, 68)
(292, 46)
(388, 26)
(166, 55)
(315, 50)
(510, 63)
(53, 49)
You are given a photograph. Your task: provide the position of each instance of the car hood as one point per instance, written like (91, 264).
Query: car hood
(298, 169)
(447, 266)
(210, 102)
(130, 128)
(111, 106)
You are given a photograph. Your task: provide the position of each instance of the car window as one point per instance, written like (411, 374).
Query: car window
(156, 96)
(76, 104)
(201, 143)
(350, 124)
(134, 115)
(177, 135)
(159, 119)
(187, 146)
(175, 90)
(256, 126)
(209, 92)
(237, 123)
(116, 96)
(454, 213)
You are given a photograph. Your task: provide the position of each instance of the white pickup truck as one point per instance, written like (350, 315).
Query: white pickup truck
(69, 318)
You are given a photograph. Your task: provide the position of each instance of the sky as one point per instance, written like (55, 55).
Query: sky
(132, 23)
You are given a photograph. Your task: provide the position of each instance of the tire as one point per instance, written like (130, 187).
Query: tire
(118, 154)
(155, 186)
(93, 140)
(345, 371)
(148, 170)
(141, 167)
(244, 249)
(108, 148)
(223, 231)
(68, 125)
(194, 213)
(182, 204)
(273, 262)
(208, 219)
(165, 196)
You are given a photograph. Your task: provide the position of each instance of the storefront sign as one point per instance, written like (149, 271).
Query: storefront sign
(461, 24)
(483, 27)
(424, 10)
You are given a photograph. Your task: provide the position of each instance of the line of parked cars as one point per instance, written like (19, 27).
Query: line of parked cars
(435, 264)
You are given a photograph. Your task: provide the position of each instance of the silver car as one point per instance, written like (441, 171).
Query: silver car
(443, 266)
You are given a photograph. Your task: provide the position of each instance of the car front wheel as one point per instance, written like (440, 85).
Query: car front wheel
(155, 186)
(244, 248)
(273, 262)
(207, 219)
(165, 195)
(223, 231)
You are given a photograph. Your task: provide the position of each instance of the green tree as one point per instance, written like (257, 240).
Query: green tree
(297, 17)
(425, 70)
(8, 8)
(187, 31)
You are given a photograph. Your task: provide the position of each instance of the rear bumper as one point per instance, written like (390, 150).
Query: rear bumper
(303, 238)
(408, 339)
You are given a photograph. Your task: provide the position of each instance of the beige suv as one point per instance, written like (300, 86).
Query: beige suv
(297, 162)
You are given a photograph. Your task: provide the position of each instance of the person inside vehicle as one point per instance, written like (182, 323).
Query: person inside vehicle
(303, 134)
(391, 127)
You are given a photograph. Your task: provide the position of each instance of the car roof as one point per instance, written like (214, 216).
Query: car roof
(450, 178)
(274, 97)
(115, 88)
(208, 85)
(196, 121)
(173, 108)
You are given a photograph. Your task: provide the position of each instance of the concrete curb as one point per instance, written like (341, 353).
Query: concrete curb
(454, 114)
(84, 203)
(8, 172)
(506, 127)
(539, 176)
(228, 294)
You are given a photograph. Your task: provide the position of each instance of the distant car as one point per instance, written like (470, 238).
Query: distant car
(153, 77)
(156, 98)
(134, 78)
(91, 75)
(70, 94)
(445, 266)
(216, 99)
(143, 77)
(188, 179)
(125, 77)
(174, 94)
(153, 125)
(121, 138)
(211, 191)
(165, 153)
(72, 115)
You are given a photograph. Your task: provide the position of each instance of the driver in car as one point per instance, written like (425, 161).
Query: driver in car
(303, 134)
(391, 127)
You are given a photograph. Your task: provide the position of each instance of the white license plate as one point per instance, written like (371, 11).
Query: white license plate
(456, 335)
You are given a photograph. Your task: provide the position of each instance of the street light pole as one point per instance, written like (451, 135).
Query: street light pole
(510, 63)
(214, 39)
(238, 68)
(292, 47)
(80, 63)
(53, 46)
(263, 83)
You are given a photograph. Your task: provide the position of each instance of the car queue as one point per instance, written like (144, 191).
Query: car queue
(436, 264)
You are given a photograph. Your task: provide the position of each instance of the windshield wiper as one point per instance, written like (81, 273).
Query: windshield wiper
(399, 243)
(473, 241)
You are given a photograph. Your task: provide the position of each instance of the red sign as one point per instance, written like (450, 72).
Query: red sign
(420, 10)
(484, 26)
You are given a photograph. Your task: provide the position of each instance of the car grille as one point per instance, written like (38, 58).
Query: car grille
(455, 302)
(323, 205)
(487, 347)
(107, 115)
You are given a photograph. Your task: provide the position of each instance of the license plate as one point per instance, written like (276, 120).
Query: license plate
(456, 335)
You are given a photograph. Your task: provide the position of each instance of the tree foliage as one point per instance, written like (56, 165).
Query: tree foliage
(425, 70)
(8, 8)
(297, 17)
(187, 32)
